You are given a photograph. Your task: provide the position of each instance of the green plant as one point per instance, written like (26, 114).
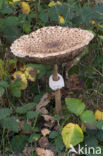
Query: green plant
(93, 132)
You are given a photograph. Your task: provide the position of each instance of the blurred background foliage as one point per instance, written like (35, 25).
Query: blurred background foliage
(19, 17)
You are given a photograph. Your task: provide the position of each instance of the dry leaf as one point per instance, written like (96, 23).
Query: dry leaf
(21, 123)
(43, 102)
(28, 150)
(45, 131)
(43, 152)
(44, 111)
(49, 124)
(47, 117)
(43, 142)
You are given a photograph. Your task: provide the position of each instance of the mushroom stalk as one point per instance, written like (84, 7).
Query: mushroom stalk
(58, 105)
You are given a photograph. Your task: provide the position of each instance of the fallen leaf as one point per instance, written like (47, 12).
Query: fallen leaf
(47, 117)
(28, 150)
(43, 142)
(43, 152)
(45, 131)
(43, 102)
(44, 111)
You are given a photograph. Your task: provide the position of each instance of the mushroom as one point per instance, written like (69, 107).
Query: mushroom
(52, 45)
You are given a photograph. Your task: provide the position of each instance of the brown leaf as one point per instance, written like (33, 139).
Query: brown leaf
(49, 124)
(43, 102)
(44, 111)
(49, 121)
(45, 131)
(43, 142)
(28, 150)
(21, 123)
(47, 117)
(43, 152)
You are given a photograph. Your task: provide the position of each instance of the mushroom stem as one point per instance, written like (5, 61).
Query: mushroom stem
(58, 105)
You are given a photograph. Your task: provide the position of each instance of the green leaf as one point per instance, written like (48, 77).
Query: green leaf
(25, 108)
(10, 123)
(2, 90)
(34, 137)
(43, 16)
(59, 143)
(27, 127)
(26, 27)
(91, 141)
(6, 10)
(1, 3)
(99, 124)
(18, 143)
(53, 134)
(72, 134)
(4, 112)
(75, 105)
(3, 84)
(87, 117)
(16, 92)
(32, 114)
(11, 20)
(99, 135)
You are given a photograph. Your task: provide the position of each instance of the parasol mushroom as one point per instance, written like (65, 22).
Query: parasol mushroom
(52, 45)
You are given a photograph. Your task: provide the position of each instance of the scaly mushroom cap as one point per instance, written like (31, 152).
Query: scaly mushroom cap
(51, 45)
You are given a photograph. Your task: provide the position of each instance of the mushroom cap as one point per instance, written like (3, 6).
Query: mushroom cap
(53, 44)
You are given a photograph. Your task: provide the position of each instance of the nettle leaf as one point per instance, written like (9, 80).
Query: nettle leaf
(59, 143)
(4, 84)
(27, 127)
(72, 134)
(2, 90)
(87, 117)
(10, 123)
(6, 9)
(34, 137)
(25, 108)
(18, 143)
(53, 134)
(4, 112)
(31, 114)
(11, 33)
(16, 92)
(43, 16)
(11, 20)
(75, 105)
